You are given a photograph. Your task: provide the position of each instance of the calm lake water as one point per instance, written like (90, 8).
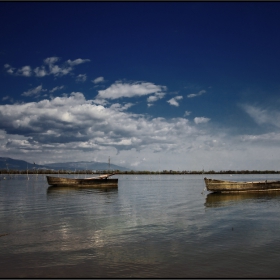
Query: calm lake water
(159, 226)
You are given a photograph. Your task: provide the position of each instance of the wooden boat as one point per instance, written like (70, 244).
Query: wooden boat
(101, 181)
(233, 186)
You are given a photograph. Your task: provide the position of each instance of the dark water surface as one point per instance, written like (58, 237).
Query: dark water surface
(159, 226)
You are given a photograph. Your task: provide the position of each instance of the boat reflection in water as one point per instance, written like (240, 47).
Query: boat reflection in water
(225, 199)
(85, 189)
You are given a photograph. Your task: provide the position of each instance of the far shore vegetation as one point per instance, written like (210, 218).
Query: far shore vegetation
(133, 172)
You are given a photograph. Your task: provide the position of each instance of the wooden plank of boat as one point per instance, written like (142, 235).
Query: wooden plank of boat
(100, 181)
(215, 185)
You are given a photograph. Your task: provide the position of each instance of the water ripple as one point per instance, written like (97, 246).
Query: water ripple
(150, 227)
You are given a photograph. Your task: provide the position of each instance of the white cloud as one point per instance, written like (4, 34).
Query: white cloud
(98, 80)
(152, 98)
(75, 123)
(8, 98)
(156, 97)
(34, 91)
(42, 71)
(199, 120)
(59, 70)
(187, 113)
(9, 68)
(196, 94)
(173, 101)
(102, 102)
(271, 137)
(51, 60)
(77, 61)
(263, 116)
(71, 128)
(119, 107)
(119, 90)
(56, 88)
(81, 78)
(25, 71)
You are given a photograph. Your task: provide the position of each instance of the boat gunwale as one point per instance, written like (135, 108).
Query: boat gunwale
(224, 186)
(216, 181)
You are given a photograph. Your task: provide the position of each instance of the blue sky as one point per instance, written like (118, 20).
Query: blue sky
(153, 85)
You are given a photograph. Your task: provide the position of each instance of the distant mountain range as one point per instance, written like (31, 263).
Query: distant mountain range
(15, 164)
(86, 165)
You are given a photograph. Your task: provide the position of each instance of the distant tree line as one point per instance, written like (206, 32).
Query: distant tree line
(132, 172)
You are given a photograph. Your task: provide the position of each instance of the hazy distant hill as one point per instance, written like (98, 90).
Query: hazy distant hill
(15, 164)
(86, 165)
